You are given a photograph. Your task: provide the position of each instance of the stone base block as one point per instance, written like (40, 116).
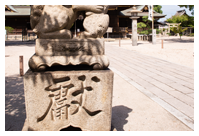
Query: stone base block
(58, 99)
(69, 47)
(40, 63)
(64, 52)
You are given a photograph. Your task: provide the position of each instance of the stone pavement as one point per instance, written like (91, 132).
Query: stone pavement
(168, 84)
(132, 108)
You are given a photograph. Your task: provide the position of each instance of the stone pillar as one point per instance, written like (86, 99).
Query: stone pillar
(134, 32)
(154, 36)
(134, 36)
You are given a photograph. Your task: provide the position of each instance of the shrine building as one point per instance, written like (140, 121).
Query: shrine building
(18, 17)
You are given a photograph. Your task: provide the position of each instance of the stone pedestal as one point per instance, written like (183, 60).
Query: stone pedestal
(59, 99)
(51, 52)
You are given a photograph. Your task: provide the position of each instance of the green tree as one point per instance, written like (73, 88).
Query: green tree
(9, 29)
(185, 20)
(178, 30)
(146, 29)
(141, 25)
(190, 7)
(157, 8)
(190, 22)
(177, 19)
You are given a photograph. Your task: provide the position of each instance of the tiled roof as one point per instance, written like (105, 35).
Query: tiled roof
(180, 13)
(140, 7)
(25, 11)
(9, 7)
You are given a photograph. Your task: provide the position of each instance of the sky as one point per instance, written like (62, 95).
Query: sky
(170, 10)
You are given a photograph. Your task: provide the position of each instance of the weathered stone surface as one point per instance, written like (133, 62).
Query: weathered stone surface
(50, 52)
(69, 47)
(59, 99)
(39, 63)
(55, 21)
(52, 20)
(95, 24)
(55, 47)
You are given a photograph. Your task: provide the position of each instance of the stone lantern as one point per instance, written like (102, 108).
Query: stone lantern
(134, 17)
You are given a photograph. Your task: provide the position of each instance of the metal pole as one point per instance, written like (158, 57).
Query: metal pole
(152, 27)
(162, 44)
(152, 19)
(75, 28)
(21, 65)
(5, 34)
(153, 30)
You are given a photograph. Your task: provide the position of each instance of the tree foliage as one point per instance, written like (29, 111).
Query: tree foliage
(141, 25)
(185, 20)
(178, 30)
(144, 26)
(177, 19)
(190, 22)
(157, 8)
(9, 29)
(190, 7)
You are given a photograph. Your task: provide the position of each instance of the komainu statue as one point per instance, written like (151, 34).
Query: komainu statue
(55, 44)
(68, 83)
(54, 21)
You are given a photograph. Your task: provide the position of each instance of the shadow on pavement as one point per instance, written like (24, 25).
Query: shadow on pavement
(15, 113)
(14, 43)
(182, 40)
(119, 115)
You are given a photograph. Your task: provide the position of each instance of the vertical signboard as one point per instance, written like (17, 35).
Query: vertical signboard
(6, 38)
(109, 30)
(154, 36)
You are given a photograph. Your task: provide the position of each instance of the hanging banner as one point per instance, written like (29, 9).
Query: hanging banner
(150, 12)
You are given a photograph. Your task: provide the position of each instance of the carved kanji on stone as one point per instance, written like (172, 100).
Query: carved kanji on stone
(65, 96)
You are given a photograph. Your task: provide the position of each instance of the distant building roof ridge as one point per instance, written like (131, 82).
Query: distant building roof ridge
(140, 7)
(19, 11)
(10, 7)
(180, 12)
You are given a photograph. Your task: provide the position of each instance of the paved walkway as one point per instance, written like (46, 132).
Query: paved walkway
(168, 84)
(134, 106)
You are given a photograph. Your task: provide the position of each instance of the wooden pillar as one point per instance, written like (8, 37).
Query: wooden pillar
(118, 21)
(21, 65)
